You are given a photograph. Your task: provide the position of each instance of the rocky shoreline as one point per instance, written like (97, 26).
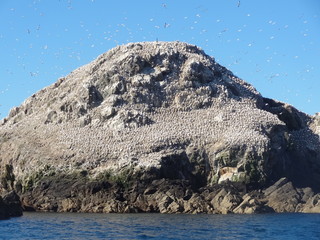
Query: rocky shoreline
(79, 194)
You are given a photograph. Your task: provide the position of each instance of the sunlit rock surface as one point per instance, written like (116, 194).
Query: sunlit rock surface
(141, 113)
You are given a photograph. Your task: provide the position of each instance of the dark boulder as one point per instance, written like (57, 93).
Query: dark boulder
(10, 206)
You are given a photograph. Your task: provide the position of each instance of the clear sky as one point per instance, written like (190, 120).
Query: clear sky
(272, 44)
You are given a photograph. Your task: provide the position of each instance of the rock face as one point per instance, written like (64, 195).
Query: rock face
(10, 206)
(158, 127)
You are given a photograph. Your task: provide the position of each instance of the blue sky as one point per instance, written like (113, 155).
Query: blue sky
(272, 44)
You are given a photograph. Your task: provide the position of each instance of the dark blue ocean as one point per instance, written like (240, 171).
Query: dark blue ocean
(160, 226)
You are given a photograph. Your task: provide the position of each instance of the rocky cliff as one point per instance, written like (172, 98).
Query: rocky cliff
(157, 126)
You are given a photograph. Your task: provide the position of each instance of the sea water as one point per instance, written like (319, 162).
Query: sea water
(160, 226)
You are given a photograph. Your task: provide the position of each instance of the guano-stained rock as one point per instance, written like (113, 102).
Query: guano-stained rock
(159, 127)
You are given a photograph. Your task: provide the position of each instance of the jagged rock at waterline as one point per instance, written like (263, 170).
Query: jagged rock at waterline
(158, 127)
(10, 205)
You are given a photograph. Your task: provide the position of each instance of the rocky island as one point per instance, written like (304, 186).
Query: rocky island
(159, 127)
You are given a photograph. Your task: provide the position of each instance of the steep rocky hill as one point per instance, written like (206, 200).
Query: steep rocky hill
(153, 114)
